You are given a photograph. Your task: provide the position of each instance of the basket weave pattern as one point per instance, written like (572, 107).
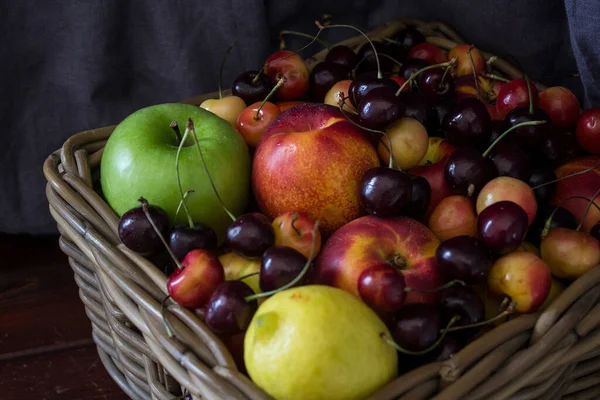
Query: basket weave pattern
(554, 354)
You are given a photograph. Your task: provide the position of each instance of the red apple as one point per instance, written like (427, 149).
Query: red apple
(505, 188)
(453, 216)
(561, 105)
(588, 130)
(191, 286)
(584, 185)
(464, 66)
(514, 94)
(295, 229)
(427, 52)
(311, 159)
(570, 253)
(522, 276)
(369, 241)
(285, 63)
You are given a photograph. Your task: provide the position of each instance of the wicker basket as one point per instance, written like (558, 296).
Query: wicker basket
(554, 354)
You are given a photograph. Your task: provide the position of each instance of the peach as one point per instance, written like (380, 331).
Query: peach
(453, 216)
(311, 159)
(369, 241)
(509, 189)
(409, 143)
(570, 253)
(522, 276)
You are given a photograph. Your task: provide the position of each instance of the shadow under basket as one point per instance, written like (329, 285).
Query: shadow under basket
(553, 354)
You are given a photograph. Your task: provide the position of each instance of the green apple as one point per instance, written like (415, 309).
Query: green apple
(139, 160)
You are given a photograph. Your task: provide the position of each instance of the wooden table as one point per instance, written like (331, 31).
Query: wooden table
(46, 350)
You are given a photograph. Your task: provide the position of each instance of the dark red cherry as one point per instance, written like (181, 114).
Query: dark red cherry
(367, 61)
(468, 124)
(408, 38)
(532, 136)
(249, 90)
(497, 130)
(342, 55)
(558, 148)
(464, 302)
(502, 226)
(250, 235)
(384, 192)
(561, 218)
(364, 84)
(442, 107)
(323, 76)
(280, 265)
(411, 67)
(416, 326)
(183, 239)
(432, 85)
(595, 231)
(381, 287)
(379, 108)
(136, 232)
(467, 172)
(420, 197)
(227, 311)
(465, 258)
(543, 175)
(450, 345)
(511, 160)
(421, 109)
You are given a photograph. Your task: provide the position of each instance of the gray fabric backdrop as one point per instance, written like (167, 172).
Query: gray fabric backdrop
(73, 65)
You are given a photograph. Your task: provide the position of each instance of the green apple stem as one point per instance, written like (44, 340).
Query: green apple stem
(145, 206)
(321, 27)
(529, 94)
(437, 289)
(223, 67)
(177, 173)
(298, 278)
(295, 217)
(585, 171)
(494, 77)
(166, 323)
(185, 195)
(587, 209)
(305, 35)
(251, 274)
(413, 76)
(175, 128)
(383, 133)
(190, 127)
(280, 82)
(388, 340)
(509, 310)
(476, 82)
(506, 132)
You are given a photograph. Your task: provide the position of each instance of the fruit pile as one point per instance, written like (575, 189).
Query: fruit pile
(448, 200)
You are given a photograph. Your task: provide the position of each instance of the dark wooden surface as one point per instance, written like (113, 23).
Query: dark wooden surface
(46, 350)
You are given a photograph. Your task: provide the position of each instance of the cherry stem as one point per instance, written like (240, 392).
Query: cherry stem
(587, 209)
(251, 274)
(181, 195)
(444, 77)
(566, 177)
(315, 38)
(223, 67)
(494, 77)
(298, 278)
(185, 195)
(476, 83)
(509, 310)
(395, 345)
(306, 35)
(380, 55)
(280, 82)
(548, 222)
(166, 323)
(175, 128)
(389, 149)
(490, 63)
(343, 103)
(415, 74)
(529, 94)
(506, 132)
(190, 126)
(295, 217)
(321, 27)
(145, 207)
(437, 289)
